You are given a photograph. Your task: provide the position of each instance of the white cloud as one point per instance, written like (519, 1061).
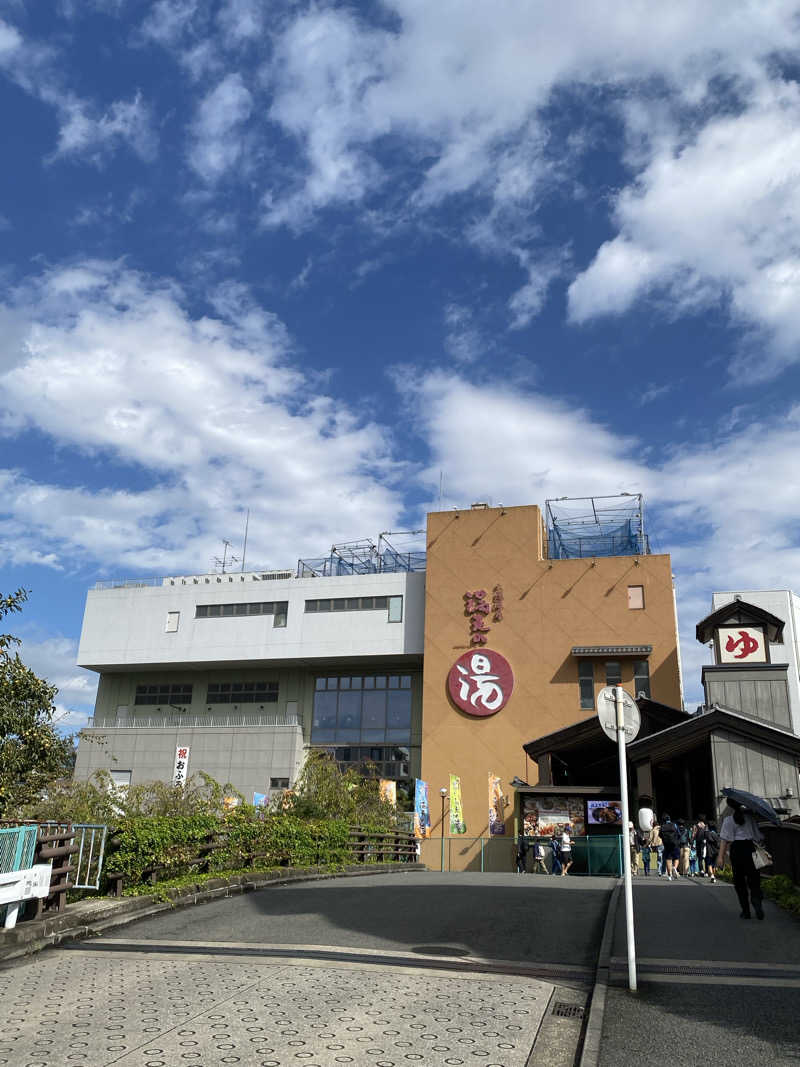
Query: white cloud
(242, 20)
(727, 510)
(717, 219)
(217, 135)
(85, 128)
(53, 658)
(209, 406)
(455, 86)
(85, 132)
(463, 341)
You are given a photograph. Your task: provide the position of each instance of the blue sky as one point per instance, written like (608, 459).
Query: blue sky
(302, 258)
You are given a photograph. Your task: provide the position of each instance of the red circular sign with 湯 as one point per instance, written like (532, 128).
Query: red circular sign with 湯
(480, 682)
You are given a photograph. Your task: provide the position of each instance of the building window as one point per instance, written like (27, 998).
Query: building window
(163, 694)
(392, 604)
(120, 780)
(613, 672)
(586, 682)
(279, 610)
(366, 709)
(242, 693)
(636, 597)
(641, 678)
(173, 620)
(279, 783)
(388, 761)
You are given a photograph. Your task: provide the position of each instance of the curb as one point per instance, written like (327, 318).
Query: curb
(36, 935)
(590, 1050)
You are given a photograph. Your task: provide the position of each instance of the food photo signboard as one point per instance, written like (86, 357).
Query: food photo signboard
(604, 812)
(545, 816)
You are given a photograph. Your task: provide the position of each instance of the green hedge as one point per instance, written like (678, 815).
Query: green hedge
(783, 891)
(243, 838)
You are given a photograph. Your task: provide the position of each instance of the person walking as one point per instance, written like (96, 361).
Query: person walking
(672, 852)
(522, 854)
(684, 847)
(566, 850)
(699, 841)
(739, 836)
(555, 847)
(657, 846)
(633, 844)
(645, 848)
(712, 850)
(539, 865)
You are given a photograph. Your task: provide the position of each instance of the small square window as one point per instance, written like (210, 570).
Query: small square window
(636, 597)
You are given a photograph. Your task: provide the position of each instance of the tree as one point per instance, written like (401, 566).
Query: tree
(324, 791)
(32, 753)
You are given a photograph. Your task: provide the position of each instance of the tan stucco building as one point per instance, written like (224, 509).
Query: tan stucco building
(566, 627)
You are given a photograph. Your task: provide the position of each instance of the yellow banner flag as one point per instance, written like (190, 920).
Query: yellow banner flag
(457, 824)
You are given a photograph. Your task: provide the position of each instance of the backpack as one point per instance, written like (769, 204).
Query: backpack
(683, 837)
(712, 839)
(669, 834)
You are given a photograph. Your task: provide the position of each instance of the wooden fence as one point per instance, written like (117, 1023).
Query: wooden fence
(364, 846)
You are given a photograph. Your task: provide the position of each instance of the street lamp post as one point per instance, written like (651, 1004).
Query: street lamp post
(443, 795)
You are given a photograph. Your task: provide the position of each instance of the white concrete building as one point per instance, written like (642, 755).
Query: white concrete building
(245, 670)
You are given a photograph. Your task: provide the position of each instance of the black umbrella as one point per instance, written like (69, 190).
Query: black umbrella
(761, 808)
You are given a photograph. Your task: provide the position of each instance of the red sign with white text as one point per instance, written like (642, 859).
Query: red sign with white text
(480, 682)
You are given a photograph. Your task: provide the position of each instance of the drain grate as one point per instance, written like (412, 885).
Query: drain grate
(440, 950)
(567, 1011)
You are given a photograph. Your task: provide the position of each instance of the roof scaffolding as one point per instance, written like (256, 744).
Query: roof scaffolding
(363, 557)
(579, 527)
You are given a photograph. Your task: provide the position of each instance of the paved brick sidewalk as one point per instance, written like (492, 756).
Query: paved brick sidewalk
(89, 1008)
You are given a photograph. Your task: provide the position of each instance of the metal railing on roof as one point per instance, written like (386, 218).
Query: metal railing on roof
(177, 721)
(195, 579)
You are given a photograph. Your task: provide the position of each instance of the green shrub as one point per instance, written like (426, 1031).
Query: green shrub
(783, 891)
(324, 791)
(97, 800)
(247, 838)
(141, 843)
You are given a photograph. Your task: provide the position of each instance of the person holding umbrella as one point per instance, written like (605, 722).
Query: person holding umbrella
(739, 836)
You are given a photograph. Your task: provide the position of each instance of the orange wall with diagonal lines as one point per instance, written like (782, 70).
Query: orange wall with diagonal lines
(548, 607)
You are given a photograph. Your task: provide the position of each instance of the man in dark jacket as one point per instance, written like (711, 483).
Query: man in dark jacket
(672, 852)
(699, 842)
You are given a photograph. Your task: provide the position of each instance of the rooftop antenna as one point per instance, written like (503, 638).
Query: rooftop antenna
(244, 546)
(222, 563)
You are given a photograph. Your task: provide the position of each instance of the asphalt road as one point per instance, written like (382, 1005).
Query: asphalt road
(727, 991)
(524, 918)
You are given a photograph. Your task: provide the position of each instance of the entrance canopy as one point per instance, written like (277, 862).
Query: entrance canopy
(582, 755)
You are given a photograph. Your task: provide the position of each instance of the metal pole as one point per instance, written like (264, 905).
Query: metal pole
(443, 794)
(244, 549)
(626, 850)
